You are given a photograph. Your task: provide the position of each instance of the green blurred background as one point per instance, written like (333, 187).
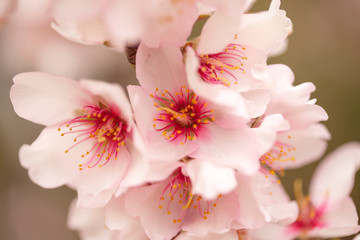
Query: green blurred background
(324, 48)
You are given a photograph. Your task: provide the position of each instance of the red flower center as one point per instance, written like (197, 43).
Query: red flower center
(103, 128)
(181, 114)
(178, 192)
(218, 68)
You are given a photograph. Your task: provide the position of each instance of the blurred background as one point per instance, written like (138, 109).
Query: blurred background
(324, 48)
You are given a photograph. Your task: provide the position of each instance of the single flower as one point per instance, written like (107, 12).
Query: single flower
(90, 141)
(176, 122)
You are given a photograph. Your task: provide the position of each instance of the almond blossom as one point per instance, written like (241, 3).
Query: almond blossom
(177, 123)
(169, 206)
(90, 141)
(237, 72)
(156, 23)
(328, 211)
(305, 140)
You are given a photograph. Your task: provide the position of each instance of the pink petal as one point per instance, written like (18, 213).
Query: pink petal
(218, 32)
(219, 218)
(256, 102)
(271, 231)
(139, 165)
(251, 214)
(210, 179)
(231, 235)
(333, 180)
(80, 21)
(267, 132)
(160, 170)
(340, 221)
(96, 185)
(160, 68)
(88, 222)
(46, 98)
(48, 164)
(236, 148)
(116, 218)
(124, 22)
(310, 144)
(114, 96)
(167, 23)
(282, 74)
(143, 202)
(274, 25)
(220, 28)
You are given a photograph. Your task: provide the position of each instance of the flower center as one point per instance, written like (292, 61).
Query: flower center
(280, 152)
(309, 216)
(219, 68)
(178, 192)
(103, 128)
(181, 115)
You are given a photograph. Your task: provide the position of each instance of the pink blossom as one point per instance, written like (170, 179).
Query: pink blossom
(328, 211)
(81, 21)
(169, 206)
(155, 23)
(236, 72)
(31, 21)
(305, 140)
(178, 123)
(90, 141)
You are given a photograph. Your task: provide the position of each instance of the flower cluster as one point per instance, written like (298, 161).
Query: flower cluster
(199, 149)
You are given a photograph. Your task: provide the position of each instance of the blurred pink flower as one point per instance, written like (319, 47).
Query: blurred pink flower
(6, 8)
(90, 141)
(158, 23)
(45, 50)
(328, 211)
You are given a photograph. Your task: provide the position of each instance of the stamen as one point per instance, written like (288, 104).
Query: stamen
(179, 187)
(181, 116)
(280, 152)
(103, 128)
(218, 68)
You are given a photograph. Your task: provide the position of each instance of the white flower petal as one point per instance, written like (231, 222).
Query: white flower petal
(209, 179)
(333, 180)
(46, 98)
